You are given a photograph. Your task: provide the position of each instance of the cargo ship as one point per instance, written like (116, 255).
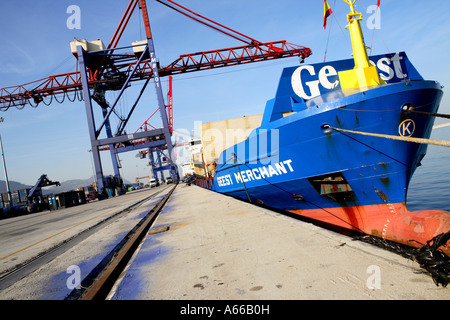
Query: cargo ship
(339, 143)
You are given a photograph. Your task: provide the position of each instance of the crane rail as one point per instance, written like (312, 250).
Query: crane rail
(98, 284)
(27, 268)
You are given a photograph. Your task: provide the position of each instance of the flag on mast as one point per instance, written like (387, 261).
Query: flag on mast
(326, 13)
(378, 4)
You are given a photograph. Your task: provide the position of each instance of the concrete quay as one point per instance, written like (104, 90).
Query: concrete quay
(52, 277)
(205, 245)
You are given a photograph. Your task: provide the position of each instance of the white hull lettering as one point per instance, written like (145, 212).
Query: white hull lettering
(260, 173)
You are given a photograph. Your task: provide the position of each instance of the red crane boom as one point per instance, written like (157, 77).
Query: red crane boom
(37, 91)
(69, 84)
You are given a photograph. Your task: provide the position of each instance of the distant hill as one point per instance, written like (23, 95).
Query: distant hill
(71, 185)
(68, 186)
(13, 185)
(65, 186)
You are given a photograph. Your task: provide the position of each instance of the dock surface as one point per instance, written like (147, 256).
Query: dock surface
(205, 245)
(72, 241)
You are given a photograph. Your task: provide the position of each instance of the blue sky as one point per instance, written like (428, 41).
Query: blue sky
(34, 43)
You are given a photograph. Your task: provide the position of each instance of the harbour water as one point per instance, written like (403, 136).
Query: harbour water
(430, 185)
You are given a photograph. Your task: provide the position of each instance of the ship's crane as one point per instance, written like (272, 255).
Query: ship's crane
(103, 69)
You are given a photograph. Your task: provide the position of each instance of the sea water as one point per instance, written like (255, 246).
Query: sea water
(430, 186)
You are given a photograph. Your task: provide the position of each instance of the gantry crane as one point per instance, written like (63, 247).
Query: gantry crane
(103, 69)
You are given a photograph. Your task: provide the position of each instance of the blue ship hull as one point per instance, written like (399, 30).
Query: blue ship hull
(306, 150)
(299, 161)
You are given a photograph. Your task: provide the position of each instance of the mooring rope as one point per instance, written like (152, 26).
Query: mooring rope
(439, 115)
(442, 125)
(429, 256)
(246, 191)
(442, 143)
(297, 197)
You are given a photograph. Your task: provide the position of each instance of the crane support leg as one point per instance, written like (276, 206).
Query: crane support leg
(152, 162)
(158, 87)
(111, 146)
(91, 121)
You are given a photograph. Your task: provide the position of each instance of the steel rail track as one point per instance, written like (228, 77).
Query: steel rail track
(21, 271)
(98, 284)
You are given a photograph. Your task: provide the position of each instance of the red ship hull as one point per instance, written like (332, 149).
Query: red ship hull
(390, 221)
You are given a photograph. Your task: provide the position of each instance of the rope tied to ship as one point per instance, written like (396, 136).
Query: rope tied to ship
(442, 143)
(237, 162)
(429, 256)
(408, 108)
(296, 196)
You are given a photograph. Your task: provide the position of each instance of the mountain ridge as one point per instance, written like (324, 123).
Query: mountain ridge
(67, 185)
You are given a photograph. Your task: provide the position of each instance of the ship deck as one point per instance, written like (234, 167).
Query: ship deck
(205, 245)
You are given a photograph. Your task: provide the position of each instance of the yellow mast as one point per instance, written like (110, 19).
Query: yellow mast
(363, 74)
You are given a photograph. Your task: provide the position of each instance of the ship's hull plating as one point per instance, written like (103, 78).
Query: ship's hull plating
(358, 182)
